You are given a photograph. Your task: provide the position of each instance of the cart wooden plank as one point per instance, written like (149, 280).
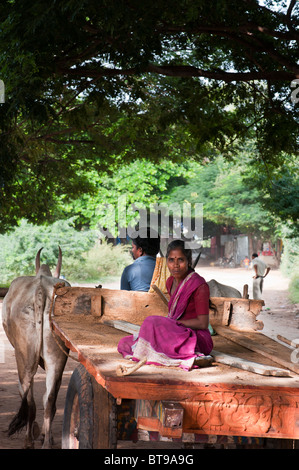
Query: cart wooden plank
(82, 327)
(219, 357)
(216, 400)
(263, 345)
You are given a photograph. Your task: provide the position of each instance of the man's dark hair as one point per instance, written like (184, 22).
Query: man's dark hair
(255, 255)
(148, 241)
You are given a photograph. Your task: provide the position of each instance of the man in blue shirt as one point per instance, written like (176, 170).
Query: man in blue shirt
(138, 276)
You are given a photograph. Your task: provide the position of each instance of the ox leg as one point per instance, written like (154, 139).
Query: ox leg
(32, 429)
(27, 412)
(53, 381)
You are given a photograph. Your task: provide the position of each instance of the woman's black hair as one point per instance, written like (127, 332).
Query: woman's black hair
(180, 245)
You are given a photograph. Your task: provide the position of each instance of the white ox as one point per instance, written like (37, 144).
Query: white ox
(26, 323)
(221, 290)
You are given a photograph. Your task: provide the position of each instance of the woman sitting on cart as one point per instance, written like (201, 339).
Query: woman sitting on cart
(175, 340)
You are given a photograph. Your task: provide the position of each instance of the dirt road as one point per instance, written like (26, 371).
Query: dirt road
(279, 317)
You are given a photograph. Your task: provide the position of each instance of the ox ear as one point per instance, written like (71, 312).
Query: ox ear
(37, 261)
(59, 263)
(47, 284)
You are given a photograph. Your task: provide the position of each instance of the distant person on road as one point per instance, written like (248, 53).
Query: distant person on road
(138, 275)
(260, 272)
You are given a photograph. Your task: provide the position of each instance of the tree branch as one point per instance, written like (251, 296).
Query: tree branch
(220, 29)
(67, 141)
(182, 71)
(289, 19)
(261, 46)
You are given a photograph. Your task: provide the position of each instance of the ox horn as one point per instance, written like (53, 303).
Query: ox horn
(59, 263)
(37, 261)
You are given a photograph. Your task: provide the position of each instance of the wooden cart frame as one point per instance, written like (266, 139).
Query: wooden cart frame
(218, 400)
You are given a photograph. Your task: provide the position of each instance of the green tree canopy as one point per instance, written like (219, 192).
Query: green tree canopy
(92, 84)
(278, 195)
(136, 185)
(232, 194)
(228, 198)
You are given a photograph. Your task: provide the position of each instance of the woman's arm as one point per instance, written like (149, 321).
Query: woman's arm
(201, 302)
(201, 322)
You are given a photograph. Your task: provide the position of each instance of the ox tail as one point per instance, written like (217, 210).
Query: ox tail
(20, 419)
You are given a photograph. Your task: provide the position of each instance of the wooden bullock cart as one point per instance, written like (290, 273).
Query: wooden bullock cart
(251, 388)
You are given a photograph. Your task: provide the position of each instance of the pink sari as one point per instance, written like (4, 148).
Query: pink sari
(165, 342)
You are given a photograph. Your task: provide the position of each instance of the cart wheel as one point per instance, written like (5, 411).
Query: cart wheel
(90, 416)
(77, 430)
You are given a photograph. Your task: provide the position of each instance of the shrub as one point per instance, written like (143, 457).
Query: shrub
(290, 257)
(102, 261)
(294, 288)
(18, 248)
(290, 265)
(84, 258)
